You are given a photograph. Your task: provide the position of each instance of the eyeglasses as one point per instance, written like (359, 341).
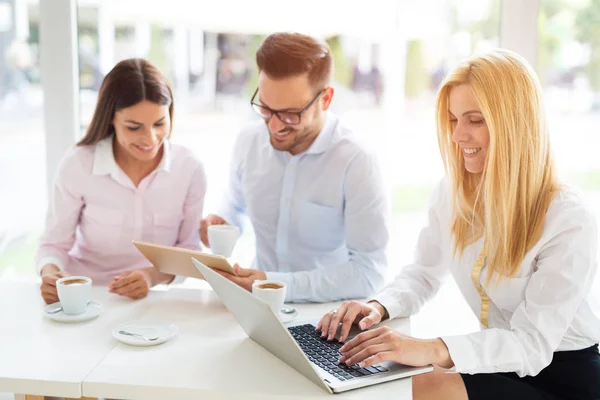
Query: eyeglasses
(287, 117)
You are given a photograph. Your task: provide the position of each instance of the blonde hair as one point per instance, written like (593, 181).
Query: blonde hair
(508, 201)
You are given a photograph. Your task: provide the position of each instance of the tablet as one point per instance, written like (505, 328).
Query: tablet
(178, 261)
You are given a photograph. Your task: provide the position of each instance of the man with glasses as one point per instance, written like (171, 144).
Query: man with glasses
(314, 196)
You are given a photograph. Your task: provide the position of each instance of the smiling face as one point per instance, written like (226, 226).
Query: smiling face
(140, 130)
(293, 94)
(469, 128)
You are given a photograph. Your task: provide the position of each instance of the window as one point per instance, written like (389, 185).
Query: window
(22, 142)
(569, 69)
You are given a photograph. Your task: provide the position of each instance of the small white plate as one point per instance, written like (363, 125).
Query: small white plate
(92, 311)
(162, 333)
(287, 318)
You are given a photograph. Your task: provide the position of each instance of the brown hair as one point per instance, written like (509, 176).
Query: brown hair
(283, 55)
(128, 83)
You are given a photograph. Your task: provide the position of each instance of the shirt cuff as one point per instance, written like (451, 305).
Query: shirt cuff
(392, 305)
(286, 278)
(463, 354)
(49, 260)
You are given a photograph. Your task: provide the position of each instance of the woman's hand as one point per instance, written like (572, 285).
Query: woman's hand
(349, 313)
(385, 344)
(50, 274)
(132, 284)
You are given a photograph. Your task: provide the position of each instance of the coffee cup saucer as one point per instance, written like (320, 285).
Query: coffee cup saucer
(287, 318)
(93, 309)
(144, 333)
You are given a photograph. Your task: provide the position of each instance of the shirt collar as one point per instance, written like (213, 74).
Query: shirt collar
(324, 139)
(104, 158)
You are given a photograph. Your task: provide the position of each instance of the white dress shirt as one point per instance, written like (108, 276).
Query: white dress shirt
(320, 217)
(548, 306)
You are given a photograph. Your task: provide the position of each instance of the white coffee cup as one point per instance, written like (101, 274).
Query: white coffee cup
(271, 292)
(74, 293)
(222, 239)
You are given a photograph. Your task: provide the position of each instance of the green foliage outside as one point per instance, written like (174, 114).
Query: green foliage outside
(410, 198)
(342, 69)
(588, 181)
(19, 255)
(255, 43)
(157, 54)
(486, 28)
(561, 21)
(417, 76)
(551, 35)
(587, 24)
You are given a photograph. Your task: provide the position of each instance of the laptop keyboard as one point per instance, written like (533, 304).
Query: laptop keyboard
(326, 354)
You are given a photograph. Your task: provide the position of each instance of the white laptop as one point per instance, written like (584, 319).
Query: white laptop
(297, 344)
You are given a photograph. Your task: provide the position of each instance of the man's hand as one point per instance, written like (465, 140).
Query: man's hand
(205, 223)
(245, 277)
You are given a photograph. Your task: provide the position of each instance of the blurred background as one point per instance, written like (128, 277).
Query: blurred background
(390, 57)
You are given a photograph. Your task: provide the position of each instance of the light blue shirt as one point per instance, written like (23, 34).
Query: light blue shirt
(320, 217)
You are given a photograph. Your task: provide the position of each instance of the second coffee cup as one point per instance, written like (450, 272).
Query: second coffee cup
(271, 292)
(222, 239)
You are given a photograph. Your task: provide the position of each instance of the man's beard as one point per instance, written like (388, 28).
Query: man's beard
(287, 142)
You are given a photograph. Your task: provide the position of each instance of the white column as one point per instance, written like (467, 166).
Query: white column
(60, 79)
(211, 56)
(181, 63)
(365, 55)
(21, 20)
(519, 28)
(393, 69)
(143, 36)
(196, 50)
(106, 39)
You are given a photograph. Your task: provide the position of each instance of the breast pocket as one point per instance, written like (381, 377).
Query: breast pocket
(320, 227)
(101, 227)
(166, 228)
(509, 293)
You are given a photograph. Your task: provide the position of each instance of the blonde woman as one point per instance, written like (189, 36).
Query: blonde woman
(521, 247)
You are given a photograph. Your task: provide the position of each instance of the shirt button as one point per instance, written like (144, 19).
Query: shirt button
(283, 265)
(286, 202)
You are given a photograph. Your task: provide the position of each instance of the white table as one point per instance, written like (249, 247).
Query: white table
(213, 358)
(42, 357)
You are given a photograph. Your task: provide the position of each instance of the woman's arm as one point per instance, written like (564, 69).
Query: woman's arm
(62, 216)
